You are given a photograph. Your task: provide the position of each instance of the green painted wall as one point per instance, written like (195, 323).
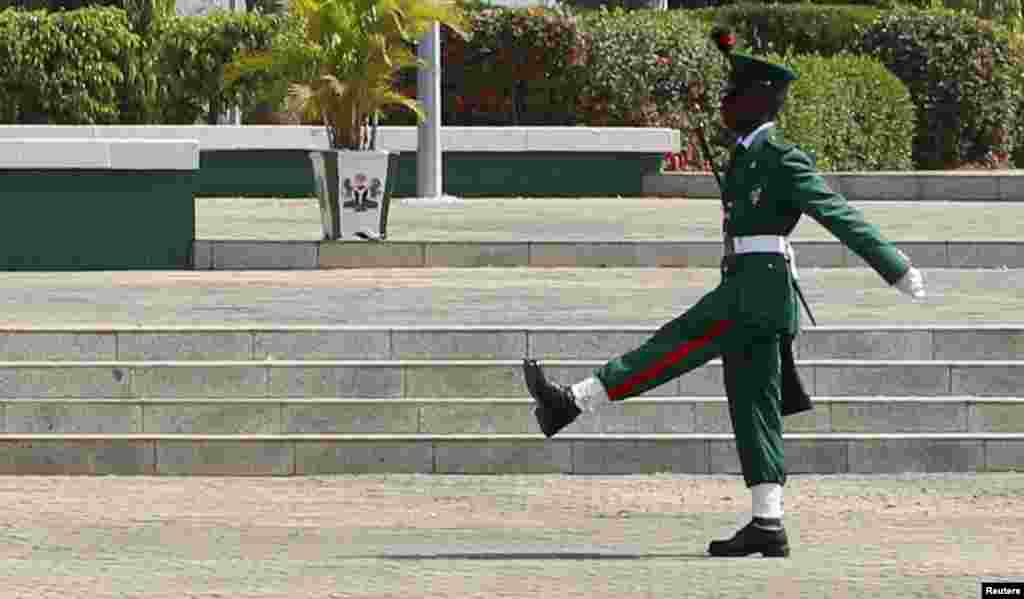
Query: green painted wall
(97, 220)
(287, 173)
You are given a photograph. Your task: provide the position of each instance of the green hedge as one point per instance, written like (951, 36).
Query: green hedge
(960, 73)
(66, 68)
(850, 113)
(649, 68)
(191, 55)
(795, 28)
(518, 67)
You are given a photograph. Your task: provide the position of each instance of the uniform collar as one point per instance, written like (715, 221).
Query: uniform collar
(749, 139)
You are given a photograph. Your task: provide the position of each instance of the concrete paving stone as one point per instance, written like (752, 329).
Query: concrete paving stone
(816, 420)
(815, 456)
(476, 417)
(915, 455)
(722, 457)
(583, 345)
(960, 187)
(712, 417)
(677, 254)
(350, 417)
(46, 417)
(458, 345)
(262, 255)
(869, 187)
(819, 254)
(464, 380)
(967, 344)
(888, 379)
(224, 457)
(824, 344)
(235, 418)
(996, 417)
(639, 456)
(360, 254)
(986, 254)
(363, 457)
(29, 345)
(198, 380)
(1005, 455)
(322, 345)
(988, 380)
(1011, 187)
(61, 457)
(464, 254)
(624, 417)
(674, 417)
(894, 416)
(204, 345)
(202, 254)
(57, 381)
(583, 254)
(371, 381)
(492, 456)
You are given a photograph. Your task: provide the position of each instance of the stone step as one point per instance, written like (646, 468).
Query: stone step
(153, 342)
(263, 254)
(819, 453)
(468, 378)
(640, 415)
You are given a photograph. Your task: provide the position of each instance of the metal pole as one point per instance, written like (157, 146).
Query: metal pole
(428, 86)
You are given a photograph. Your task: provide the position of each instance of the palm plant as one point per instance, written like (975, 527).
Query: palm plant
(339, 66)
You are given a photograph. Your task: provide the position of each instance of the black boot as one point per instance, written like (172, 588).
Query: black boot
(762, 535)
(556, 407)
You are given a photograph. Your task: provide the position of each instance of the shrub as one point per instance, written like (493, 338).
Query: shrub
(192, 54)
(795, 28)
(959, 72)
(651, 69)
(849, 112)
(518, 67)
(66, 68)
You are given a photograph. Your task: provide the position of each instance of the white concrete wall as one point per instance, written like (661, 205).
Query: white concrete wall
(99, 154)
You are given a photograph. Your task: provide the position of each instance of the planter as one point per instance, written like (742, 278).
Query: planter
(353, 190)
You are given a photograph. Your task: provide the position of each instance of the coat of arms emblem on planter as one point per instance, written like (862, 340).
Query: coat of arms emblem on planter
(359, 195)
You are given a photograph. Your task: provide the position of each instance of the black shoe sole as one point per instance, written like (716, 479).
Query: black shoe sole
(782, 551)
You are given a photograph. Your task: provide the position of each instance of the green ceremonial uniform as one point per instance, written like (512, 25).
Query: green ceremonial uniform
(752, 316)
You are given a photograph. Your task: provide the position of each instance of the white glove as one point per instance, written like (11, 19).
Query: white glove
(912, 284)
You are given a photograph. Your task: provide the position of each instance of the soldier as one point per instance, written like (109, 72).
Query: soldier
(751, 318)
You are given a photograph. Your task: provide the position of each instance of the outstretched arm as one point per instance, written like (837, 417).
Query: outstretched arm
(813, 197)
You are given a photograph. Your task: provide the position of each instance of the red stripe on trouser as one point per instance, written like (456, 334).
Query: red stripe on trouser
(669, 360)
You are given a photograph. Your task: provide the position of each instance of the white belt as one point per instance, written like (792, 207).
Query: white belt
(766, 244)
(760, 244)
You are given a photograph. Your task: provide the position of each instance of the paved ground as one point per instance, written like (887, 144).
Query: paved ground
(510, 536)
(598, 219)
(468, 296)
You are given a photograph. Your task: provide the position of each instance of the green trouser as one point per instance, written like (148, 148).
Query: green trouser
(752, 369)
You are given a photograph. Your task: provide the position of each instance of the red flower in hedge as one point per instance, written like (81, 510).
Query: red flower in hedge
(724, 39)
(460, 104)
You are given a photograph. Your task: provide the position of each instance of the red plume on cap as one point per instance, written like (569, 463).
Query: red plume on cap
(724, 39)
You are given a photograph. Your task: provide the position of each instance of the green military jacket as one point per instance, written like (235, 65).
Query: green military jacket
(765, 191)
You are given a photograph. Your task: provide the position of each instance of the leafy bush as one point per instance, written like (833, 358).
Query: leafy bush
(795, 28)
(517, 67)
(193, 51)
(66, 68)
(650, 69)
(960, 74)
(849, 112)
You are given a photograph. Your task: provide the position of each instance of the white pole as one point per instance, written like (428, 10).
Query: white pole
(428, 147)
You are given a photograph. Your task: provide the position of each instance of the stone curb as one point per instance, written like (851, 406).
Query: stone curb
(99, 154)
(924, 186)
(468, 378)
(112, 345)
(444, 417)
(264, 455)
(311, 255)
